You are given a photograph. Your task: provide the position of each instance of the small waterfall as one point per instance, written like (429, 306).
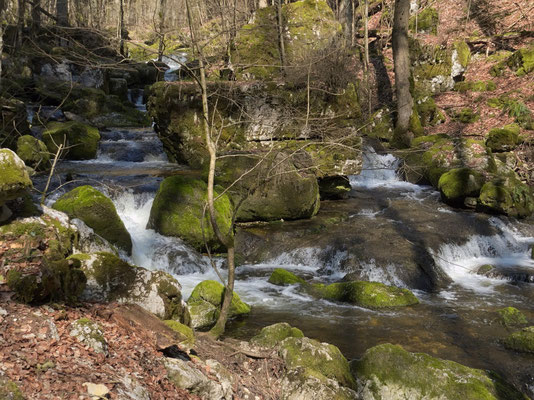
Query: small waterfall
(174, 62)
(136, 97)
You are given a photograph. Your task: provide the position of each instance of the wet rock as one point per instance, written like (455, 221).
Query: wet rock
(89, 333)
(178, 210)
(80, 141)
(510, 316)
(98, 212)
(282, 277)
(33, 152)
(503, 139)
(458, 184)
(273, 335)
(111, 279)
(507, 195)
(212, 292)
(334, 187)
(389, 372)
(522, 340)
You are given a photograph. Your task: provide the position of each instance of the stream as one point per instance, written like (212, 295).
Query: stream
(387, 230)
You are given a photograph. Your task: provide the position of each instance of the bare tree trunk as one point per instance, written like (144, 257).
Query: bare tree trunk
(121, 30)
(36, 15)
(62, 12)
(280, 26)
(401, 58)
(2, 16)
(345, 15)
(20, 22)
(161, 30)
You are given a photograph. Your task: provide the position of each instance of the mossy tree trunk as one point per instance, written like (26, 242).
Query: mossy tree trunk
(401, 58)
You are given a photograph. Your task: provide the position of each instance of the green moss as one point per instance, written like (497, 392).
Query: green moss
(365, 294)
(463, 53)
(428, 112)
(485, 269)
(273, 335)
(203, 313)
(33, 152)
(427, 21)
(465, 115)
(213, 292)
(282, 277)
(14, 179)
(503, 139)
(511, 316)
(321, 358)
(522, 341)
(98, 212)
(380, 125)
(9, 390)
(388, 368)
(475, 86)
(459, 183)
(186, 333)
(507, 196)
(178, 210)
(79, 140)
(522, 61)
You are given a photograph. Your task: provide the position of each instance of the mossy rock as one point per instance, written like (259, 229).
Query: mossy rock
(90, 334)
(522, 340)
(315, 357)
(203, 314)
(388, 368)
(522, 61)
(273, 335)
(380, 125)
(463, 53)
(465, 115)
(475, 86)
(9, 390)
(184, 332)
(213, 292)
(118, 87)
(178, 211)
(282, 277)
(507, 196)
(334, 187)
(459, 183)
(14, 179)
(511, 316)
(33, 152)
(98, 212)
(503, 139)
(428, 112)
(373, 295)
(80, 141)
(427, 21)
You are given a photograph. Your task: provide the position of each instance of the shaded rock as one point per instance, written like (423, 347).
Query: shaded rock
(510, 316)
(80, 141)
(389, 372)
(522, 61)
(458, 184)
(119, 87)
(334, 187)
(522, 340)
(89, 333)
(98, 212)
(33, 152)
(178, 211)
(273, 335)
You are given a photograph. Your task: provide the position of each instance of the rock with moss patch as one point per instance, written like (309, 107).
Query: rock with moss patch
(178, 210)
(80, 141)
(426, 21)
(9, 390)
(522, 340)
(429, 114)
(372, 295)
(506, 195)
(510, 316)
(317, 359)
(334, 187)
(90, 334)
(205, 302)
(110, 279)
(522, 61)
(98, 212)
(465, 115)
(503, 139)
(389, 372)
(380, 125)
(273, 335)
(184, 332)
(33, 152)
(282, 277)
(475, 86)
(14, 179)
(460, 183)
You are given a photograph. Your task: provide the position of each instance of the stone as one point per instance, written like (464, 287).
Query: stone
(119, 87)
(522, 341)
(389, 372)
(507, 196)
(178, 210)
(14, 178)
(334, 187)
(302, 384)
(503, 139)
(510, 316)
(522, 61)
(33, 152)
(426, 21)
(96, 391)
(273, 335)
(282, 277)
(459, 183)
(80, 141)
(90, 334)
(185, 332)
(98, 212)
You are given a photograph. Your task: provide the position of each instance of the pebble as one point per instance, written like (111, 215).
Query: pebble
(96, 390)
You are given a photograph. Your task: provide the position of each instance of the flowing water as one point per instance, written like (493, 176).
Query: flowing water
(388, 231)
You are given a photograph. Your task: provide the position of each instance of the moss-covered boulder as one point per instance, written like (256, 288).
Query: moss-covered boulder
(282, 277)
(13, 120)
(466, 115)
(334, 187)
(33, 152)
(9, 390)
(212, 292)
(381, 125)
(14, 179)
(389, 372)
(460, 183)
(506, 195)
(80, 141)
(372, 295)
(90, 334)
(522, 340)
(503, 139)
(273, 335)
(184, 332)
(315, 358)
(475, 86)
(428, 112)
(522, 61)
(511, 316)
(178, 210)
(98, 212)
(426, 21)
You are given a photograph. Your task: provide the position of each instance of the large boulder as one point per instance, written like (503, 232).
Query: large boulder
(503, 139)
(14, 179)
(205, 302)
(33, 152)
(388, 372)
(111, 279)
(98, 212)
(273, 335)
(506, 195)
(460, 183)
(522, 340)
(178, 210)
(80, 141)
